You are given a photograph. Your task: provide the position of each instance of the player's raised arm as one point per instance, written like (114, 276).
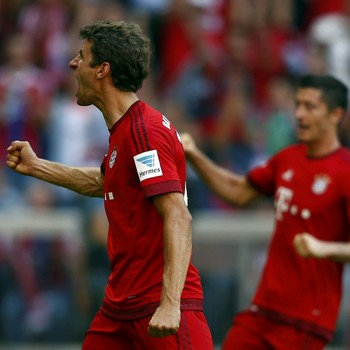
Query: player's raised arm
(309, 246)
(231, 187)
(83, 180)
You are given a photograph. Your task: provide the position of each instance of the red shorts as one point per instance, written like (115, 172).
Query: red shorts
(255, 332)
(107, 333)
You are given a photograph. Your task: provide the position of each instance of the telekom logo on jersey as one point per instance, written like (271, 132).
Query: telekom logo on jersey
(283, 204)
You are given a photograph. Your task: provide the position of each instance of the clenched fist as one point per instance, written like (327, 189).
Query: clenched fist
(21, 157)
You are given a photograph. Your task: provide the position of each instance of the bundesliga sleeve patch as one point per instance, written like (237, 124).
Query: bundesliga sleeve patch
(148, 165)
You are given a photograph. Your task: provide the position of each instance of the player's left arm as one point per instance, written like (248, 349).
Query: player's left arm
(177, 233)
(309, 246)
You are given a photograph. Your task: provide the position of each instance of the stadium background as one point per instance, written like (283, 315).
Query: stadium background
(223, 70)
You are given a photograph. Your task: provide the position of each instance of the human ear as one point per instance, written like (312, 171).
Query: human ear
(103, 70)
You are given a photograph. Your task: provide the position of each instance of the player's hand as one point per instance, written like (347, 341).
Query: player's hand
(308, 246)
(188, 143)
(165, 321)
(20, 157)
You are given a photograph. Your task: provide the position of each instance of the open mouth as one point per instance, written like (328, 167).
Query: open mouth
(302, 127)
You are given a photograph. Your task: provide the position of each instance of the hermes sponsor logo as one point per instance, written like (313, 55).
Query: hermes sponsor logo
(148, 165)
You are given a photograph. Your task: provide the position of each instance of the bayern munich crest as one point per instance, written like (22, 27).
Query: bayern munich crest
(112, 158)
(320, 184)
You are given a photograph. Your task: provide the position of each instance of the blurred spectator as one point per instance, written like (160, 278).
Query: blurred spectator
(188, 59)
(46, 23)
(231, 140)
(98, 266)
(25, 91)
(77, 135)
(332, 32)
(10, 197)
(278, 116)
(268, 26)
(37, 294)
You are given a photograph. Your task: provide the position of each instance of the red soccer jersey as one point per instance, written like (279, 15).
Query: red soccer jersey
(311, 195)
(145, 158)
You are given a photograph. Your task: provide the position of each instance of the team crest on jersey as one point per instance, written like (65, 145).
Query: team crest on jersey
(148, 165)
(112, 158)
(320, 184)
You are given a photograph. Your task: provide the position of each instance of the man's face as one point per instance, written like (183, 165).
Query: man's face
(84, 74)
(314, 120)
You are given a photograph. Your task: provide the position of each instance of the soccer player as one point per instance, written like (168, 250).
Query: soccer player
(297, 300)
(153, 299)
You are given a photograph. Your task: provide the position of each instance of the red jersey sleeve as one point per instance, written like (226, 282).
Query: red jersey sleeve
(161, 167)
(262, 177)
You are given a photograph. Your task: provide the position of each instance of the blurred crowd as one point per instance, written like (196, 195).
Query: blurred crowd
(223, 70)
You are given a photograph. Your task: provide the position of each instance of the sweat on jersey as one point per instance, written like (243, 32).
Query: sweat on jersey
(145, 158)
(311, 195)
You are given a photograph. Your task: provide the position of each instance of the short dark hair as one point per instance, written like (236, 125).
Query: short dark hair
(124, 46)
(334, 92)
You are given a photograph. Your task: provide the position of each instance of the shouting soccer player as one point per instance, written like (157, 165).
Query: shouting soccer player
(153, 298)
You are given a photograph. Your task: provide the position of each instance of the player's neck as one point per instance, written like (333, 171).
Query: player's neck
(322, 148)
(116, 105)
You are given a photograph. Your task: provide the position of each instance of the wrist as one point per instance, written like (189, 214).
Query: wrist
(35, 167)
(170, 302)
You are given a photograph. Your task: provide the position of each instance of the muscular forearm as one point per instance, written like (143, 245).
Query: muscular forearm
(22, 159)
(231, 187)
(177, 254)
(177, 236)
(83, 180)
